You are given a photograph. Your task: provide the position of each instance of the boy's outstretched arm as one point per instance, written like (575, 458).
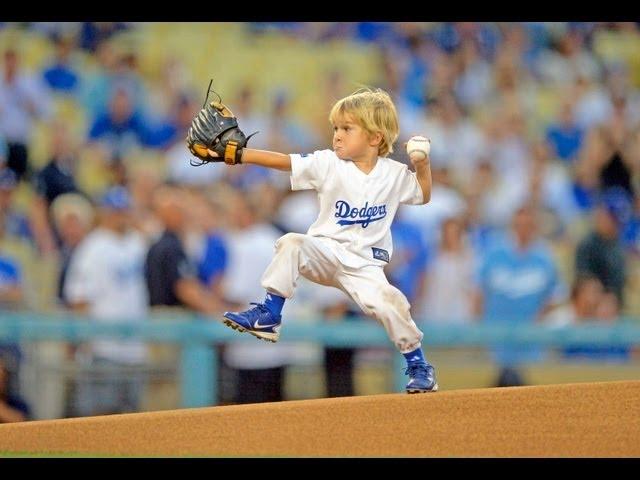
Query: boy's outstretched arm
(264, 158)
(422, 165)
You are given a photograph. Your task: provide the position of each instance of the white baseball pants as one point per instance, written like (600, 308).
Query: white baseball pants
(298, 254)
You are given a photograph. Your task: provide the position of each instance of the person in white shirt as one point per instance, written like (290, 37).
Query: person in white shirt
(106, 282)
(359, 191)
(450, 277)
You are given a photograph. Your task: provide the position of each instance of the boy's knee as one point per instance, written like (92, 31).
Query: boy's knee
(387, 299)
(395, 299)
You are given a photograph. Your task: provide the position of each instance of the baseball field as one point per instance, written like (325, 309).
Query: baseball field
(570, 420)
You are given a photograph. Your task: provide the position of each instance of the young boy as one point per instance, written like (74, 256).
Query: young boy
(359, 191)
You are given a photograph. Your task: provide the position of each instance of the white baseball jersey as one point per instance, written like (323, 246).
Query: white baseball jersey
(356, 209)
(107, 272)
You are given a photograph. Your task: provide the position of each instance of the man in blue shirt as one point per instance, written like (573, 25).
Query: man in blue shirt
(122, 127)
(61, 76)
(517, 283)
(565, 136)
(409, 263)
(214, 260)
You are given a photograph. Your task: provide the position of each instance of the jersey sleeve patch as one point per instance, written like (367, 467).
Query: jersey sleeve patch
(380, 254)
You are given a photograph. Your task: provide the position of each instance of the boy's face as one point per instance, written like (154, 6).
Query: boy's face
(350, 140)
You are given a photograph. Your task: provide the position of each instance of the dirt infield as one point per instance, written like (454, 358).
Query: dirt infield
(573, 420)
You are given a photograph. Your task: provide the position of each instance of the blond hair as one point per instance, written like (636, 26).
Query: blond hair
(374, 111)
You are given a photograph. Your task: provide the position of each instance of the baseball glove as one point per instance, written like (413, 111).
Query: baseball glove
(215, 128)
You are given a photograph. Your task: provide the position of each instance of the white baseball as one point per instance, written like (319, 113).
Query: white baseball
(418, 144)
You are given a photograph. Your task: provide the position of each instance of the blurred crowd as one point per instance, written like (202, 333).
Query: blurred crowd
(535, 213)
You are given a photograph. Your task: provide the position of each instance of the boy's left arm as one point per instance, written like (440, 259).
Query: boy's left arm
(422, 165)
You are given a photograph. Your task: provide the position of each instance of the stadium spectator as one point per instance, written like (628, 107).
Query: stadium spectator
(508, 149)
(11, 298)
(413, 73)
(16, 237)
(564, 135)
(551, 188)
(441, 81)
(517, 283)
(59, 175)
(589, 303)
(143, 181)
(593, 104)
(171, 276)
(620, 157)
(409, 262)
(56, 178)
(12, 284)
(105, 281)
(172, 279)
(121, 128)
(449, 283)
(566, 60)
(127, 77)
(73, 218)
(601, 252)
(475, 80)
(23, 100)
(61, 75)
(13, 223)
(586, 180)
(207, 220)
(587, 294)
(92, 34)
(98, 85)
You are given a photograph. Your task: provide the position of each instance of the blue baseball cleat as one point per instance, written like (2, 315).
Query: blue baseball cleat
(422, 378)
(258, 321)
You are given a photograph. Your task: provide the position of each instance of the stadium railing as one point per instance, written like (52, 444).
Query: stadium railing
(196, 336)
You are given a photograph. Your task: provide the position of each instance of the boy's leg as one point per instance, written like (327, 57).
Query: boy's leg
(295, 254)
(373, 293)
(298, 254)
